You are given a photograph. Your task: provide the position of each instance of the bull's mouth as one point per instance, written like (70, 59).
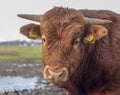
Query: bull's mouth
(56, 76)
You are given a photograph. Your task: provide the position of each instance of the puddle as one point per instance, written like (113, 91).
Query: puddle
(10, 83)
(25, 65)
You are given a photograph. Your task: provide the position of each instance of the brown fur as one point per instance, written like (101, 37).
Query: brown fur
(94, 68)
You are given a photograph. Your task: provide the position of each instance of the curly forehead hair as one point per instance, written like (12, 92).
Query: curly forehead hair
(61, 14)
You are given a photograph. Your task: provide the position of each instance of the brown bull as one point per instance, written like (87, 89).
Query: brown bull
(81, 49)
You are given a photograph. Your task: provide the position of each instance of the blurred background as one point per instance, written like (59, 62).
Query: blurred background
(10, 23)
(20, 58)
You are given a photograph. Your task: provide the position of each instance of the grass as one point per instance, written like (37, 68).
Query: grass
(20, 53)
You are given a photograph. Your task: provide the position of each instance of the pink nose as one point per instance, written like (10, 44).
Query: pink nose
(56, 76)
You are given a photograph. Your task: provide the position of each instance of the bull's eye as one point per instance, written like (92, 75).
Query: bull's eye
(43, 40)
(76, 42)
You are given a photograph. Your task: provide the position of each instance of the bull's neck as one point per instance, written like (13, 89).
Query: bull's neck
(75, 83)
(88, 71)
(81, 80)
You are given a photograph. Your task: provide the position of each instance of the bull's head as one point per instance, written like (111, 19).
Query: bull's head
(64, 33)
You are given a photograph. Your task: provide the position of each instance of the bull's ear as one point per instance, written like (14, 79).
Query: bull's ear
(95, 32)
(31, 31)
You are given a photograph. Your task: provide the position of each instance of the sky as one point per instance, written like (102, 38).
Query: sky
(10, 23)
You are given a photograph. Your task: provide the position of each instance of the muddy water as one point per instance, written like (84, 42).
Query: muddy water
(11, 83)
(25, 79)
(21, 76)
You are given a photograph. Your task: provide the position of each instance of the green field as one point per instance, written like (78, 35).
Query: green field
(20, 53)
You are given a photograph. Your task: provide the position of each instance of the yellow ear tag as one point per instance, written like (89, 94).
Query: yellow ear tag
(32, 35)
(89, 38)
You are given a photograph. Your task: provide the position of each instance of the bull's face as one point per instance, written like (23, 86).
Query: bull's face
(62, 50)
(64, 34)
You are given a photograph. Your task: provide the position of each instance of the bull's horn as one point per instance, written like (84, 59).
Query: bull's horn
(30, 17)
(96, 21)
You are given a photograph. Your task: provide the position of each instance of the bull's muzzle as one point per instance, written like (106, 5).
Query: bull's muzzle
(56, 76)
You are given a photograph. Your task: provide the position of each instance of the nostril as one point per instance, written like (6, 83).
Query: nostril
(64, 75)
(61, 74)
(47, 73)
